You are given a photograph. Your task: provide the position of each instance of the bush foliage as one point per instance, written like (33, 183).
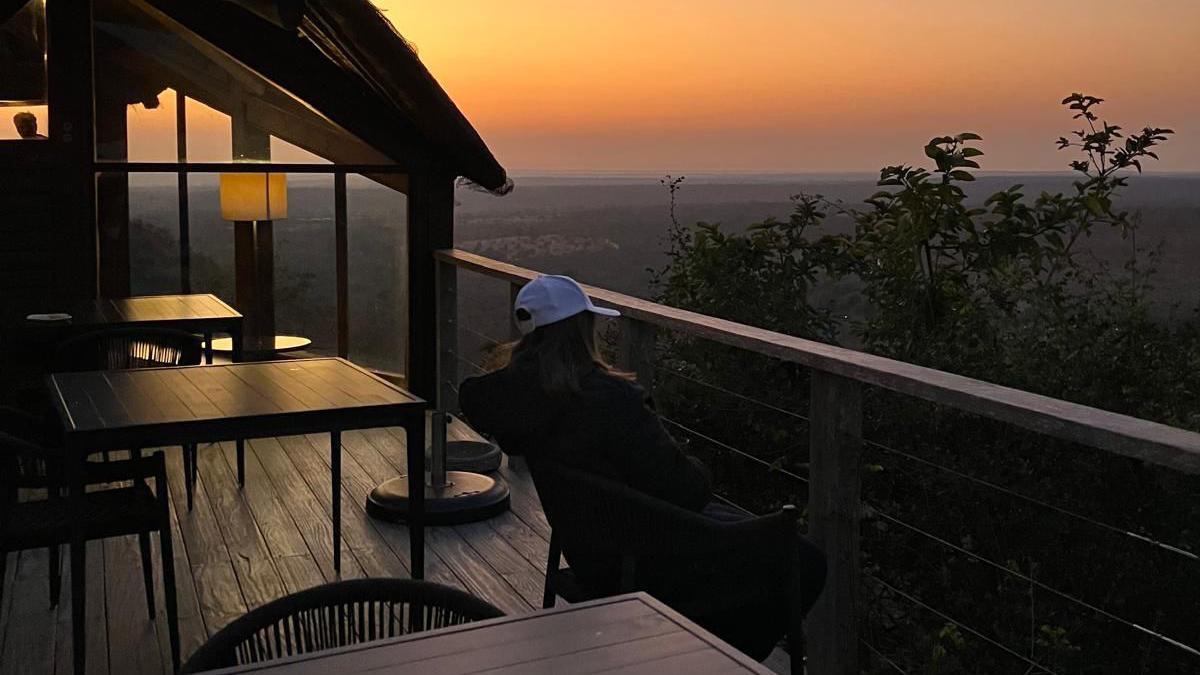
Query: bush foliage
(1014, 540)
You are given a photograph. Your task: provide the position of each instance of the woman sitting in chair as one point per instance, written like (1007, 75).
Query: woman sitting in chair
(556, 399)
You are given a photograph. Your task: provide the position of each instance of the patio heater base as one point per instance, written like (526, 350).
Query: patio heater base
(466, 498)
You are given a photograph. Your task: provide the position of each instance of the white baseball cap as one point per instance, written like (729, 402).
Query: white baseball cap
(551, 298)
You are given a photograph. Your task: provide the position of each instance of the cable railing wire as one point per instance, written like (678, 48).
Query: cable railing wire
(479, 369)
(1032, 500)
(1037, 584)
(883, 657)
(487, 338)
(749, 399)
(973, 631)
(737, 451)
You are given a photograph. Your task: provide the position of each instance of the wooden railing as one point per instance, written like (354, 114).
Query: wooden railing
(835, 411)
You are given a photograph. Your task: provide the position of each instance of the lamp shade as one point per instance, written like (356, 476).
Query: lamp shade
(254, 196)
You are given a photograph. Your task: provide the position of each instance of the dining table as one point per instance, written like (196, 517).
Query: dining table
(202, 313)
(175, 406)
(631, 634)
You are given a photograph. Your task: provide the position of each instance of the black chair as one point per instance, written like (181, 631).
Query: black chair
(620, 540)
(130, 507)
(126, 348)
(337, 615)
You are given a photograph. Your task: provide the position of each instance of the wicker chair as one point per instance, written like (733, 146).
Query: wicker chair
(337, 615)
(130, 508)
(126, 348)
(619, 540)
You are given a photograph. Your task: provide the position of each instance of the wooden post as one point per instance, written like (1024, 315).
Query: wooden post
(636, 351)
(341, 263)
(834, 511)
(185, 228)
(430, 227)
(514, 333)
(447, 336)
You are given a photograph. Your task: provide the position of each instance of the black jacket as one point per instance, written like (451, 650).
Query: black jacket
(607, 428)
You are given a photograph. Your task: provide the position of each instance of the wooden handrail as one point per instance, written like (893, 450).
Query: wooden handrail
(1121, 434)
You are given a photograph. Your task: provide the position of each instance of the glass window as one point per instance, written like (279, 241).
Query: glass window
(377, 235)
(23, 70)
(153, 233)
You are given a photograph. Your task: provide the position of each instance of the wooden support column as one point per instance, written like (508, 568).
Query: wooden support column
(185, 228)
(254, 251)
(430, 227)
(341, 236)
(72, 135)
(447, 328)
(636, 351)
(835, 514)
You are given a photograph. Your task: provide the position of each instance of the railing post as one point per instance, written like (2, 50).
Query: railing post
(513, 332)
(635, 354)
(447, 336)
(834, 511)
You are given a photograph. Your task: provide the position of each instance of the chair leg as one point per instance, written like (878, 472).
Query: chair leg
(147, 571)
(78, 604)
(189, 473)
(55, 574)
(551, 570)
(168, 574)
(241, 462)
(3, 573)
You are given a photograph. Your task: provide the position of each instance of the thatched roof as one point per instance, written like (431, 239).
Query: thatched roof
(344, 58)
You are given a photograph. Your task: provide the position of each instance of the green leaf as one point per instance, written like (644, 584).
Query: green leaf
(968, 136)
(972, 152)
(962, 175)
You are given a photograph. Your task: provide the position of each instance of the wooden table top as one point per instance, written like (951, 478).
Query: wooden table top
(154, 309)
(624, 634)
(169, 406)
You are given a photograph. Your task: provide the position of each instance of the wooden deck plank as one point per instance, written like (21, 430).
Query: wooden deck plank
(279, 531)
(29, 646)
(362, 469)
(133, 640)
(252, 563)
(192, 630)
(522, 575)
(278, 528)
(307, 510)
(217, 590)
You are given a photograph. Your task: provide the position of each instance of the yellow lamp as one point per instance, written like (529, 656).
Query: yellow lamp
(253, 196)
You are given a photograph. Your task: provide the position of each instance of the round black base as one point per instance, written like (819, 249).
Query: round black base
(469, 497)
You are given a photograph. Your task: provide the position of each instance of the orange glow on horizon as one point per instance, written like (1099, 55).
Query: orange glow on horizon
(781, 85)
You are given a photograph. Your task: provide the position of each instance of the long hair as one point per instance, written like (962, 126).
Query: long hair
(562, 352)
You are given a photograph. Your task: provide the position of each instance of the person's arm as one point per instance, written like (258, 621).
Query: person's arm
(654, 463)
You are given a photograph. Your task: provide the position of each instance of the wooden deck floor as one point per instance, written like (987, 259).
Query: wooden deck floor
(238, 549)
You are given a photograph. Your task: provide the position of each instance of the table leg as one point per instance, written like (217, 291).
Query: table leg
(241, 462)
(335, 464)
(235, 334)
(415, 432)
(208, 348)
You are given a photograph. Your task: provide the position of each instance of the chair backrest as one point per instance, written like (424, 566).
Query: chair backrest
(336, 615)
(603, 523)
(119, 348)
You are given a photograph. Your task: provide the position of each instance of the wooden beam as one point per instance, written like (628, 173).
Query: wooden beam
(1121, 434)
(835, 513)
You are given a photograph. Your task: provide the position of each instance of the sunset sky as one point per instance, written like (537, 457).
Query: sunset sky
(802, 85)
